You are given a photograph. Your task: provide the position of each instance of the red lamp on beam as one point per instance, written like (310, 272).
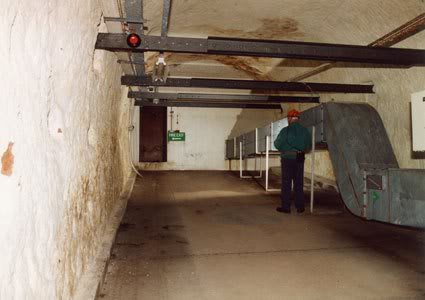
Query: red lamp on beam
(133, 40)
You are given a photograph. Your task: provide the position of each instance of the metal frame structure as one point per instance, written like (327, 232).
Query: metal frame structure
(374, 53)
(263, 48)
(241, 158)
(225, 97)
(267, 167)
(399, 34)
(134, 12)
(313, 155)
(165, 17)
(210, 104)
(261, 138)
(256, 154)
(268, 133)
(125, 21)
(301, 87)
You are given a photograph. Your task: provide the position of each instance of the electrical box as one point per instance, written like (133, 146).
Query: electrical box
(418, 121)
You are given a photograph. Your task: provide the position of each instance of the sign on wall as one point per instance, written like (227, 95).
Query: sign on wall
(176, 136)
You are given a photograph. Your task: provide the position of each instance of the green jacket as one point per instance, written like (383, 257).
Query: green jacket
(293, 138)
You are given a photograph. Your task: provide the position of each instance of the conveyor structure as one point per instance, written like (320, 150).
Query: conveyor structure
(254, 142)
(369, 179)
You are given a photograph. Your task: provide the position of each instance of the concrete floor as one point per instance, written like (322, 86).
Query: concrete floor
(211, 235)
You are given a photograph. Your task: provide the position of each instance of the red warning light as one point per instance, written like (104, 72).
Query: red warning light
(133, 40)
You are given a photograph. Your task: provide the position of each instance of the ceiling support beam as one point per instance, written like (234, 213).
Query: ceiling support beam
(304, 87)
(403, 32)
(224, 97)
(165, 17)
(206, 104)
(261, 48)
(134, 11)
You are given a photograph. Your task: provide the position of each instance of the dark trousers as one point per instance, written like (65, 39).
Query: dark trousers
(292, 170)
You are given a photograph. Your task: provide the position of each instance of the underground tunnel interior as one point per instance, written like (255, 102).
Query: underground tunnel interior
(83, 112)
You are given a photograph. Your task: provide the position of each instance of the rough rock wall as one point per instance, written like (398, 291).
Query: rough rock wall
(61, 109)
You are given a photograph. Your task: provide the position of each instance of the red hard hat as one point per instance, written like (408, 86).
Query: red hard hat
(293, 113)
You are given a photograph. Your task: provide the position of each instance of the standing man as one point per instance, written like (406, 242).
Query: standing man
(292, 142)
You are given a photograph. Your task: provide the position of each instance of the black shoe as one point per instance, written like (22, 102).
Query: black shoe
(283, 210)
(300, 210)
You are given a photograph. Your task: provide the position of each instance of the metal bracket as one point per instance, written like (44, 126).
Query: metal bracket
(126, 21)
(123, 20)
(121, 61)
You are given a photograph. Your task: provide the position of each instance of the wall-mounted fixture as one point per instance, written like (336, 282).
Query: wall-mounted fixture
(133, 40)
(160, 72)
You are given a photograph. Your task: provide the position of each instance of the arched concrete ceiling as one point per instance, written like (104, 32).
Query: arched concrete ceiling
(332, 21)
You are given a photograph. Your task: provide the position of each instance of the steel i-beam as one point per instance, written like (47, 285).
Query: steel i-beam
(303, 87)
(224, 97)
(206, 104)
(263, 48)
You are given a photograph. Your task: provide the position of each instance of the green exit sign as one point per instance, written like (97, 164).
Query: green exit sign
(176, 136)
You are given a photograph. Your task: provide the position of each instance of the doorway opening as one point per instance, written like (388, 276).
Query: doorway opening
(153, 134)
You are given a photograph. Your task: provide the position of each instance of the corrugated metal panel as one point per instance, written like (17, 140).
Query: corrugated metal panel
(356, 140)
(314, 117)
(239, 139)
(407, 197)
(368, 177)
(250, 143)
(230, 148)
(263, 133)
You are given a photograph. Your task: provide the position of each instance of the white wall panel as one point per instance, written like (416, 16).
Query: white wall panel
(418, 121)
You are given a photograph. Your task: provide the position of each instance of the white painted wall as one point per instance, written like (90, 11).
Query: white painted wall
(135, 134)
(206, 131)
(418, 121)
(60, 106)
